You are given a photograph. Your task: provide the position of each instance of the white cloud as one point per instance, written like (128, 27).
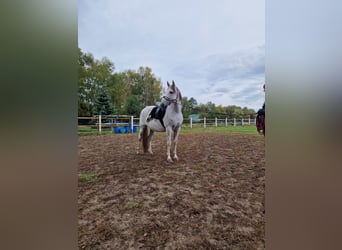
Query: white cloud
(206, 46)
(226, 79)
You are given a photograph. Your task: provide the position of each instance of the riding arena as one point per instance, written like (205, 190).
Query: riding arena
(208, 194)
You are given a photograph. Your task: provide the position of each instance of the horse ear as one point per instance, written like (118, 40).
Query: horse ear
(173, 83)
(168, 84)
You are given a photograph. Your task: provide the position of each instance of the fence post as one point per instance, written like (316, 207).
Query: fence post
(132, 124)
(242, 122)
(226, 121)
(234, 122)
(100, 125)
(190, 122)
(215, 121)
(249, 121)
(204, 122)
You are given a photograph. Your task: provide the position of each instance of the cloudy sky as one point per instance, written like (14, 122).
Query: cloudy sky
(213, 50)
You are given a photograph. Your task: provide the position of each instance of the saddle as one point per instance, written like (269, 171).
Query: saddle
(158, 113)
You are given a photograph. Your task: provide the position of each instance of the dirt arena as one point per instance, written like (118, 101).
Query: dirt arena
(212, 198)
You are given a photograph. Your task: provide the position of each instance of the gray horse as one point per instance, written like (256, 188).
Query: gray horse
(172, 120)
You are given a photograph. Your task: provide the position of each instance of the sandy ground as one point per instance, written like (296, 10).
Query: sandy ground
(212, 198)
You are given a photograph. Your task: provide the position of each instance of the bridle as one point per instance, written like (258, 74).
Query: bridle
(171, 100)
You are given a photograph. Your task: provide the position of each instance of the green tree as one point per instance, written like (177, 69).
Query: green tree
(249, 113)
(133, 106)
(193, 106)
(234, 111)
(144, 85)
(93, 75)
(220, 112)
(118, 92)
(192, 103)
(238, 113)
(150, 85)
(186, 107)
(203, 110)
(211, 110)
(102, 104)
(84, 102)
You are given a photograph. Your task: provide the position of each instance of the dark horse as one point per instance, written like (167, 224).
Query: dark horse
(260, 120)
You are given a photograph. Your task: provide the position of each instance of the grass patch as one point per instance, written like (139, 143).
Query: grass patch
(87, 130)
(197, 128)
(170, 173)
(89, 177)
(131, 205)
(229, 129)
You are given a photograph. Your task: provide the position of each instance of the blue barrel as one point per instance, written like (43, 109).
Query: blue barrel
(128, 129)
(134, 129)
(122, 130)
(116, 130)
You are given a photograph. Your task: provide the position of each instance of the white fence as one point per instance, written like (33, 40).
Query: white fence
(130, 124)
(218, 122)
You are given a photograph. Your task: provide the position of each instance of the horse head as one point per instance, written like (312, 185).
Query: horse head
(172, 93)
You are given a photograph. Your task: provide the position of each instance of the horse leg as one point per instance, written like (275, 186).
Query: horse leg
(175, 140)
(168, 142)
(143, 137)
(149, 142)
(140, 138)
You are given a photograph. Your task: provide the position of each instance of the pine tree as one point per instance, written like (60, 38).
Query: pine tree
(102, 105)
(133, 106)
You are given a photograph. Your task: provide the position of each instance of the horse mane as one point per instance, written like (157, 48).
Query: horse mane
(179, 95)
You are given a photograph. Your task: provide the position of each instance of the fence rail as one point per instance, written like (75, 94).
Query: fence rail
(124, 124)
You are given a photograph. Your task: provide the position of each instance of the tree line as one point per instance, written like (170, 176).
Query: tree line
(101, 90)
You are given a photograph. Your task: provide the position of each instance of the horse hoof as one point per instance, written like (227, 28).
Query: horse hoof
(176, 157)
(169, 159)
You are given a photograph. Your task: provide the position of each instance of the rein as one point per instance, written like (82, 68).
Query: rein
(171, 100)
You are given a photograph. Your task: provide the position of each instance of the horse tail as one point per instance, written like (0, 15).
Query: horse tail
(145, 139)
